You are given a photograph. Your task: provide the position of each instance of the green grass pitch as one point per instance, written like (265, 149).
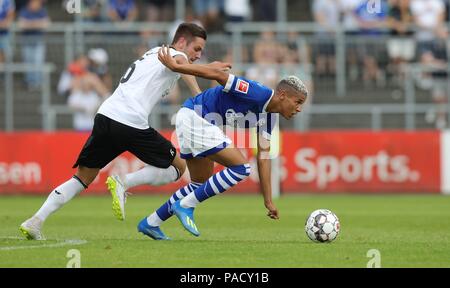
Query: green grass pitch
(408, 231)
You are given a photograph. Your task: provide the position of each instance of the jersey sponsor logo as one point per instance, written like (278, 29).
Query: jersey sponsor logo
(250, 119)
(261, 122)
(232, 118)
(242, 86)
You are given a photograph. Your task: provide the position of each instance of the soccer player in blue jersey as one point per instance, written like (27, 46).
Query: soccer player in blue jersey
(202, 141)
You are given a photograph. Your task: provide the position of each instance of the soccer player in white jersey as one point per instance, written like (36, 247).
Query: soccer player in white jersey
(121, 124)
(202, 142)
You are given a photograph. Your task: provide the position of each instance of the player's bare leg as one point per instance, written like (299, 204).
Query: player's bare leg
(229, 156)
(62, 194)
(200, 169)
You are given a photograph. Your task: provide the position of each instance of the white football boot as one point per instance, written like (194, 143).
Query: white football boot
(119, 196)
(31, 229)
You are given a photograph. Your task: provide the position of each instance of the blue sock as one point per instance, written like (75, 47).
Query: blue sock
(222, 181)
(165, 211)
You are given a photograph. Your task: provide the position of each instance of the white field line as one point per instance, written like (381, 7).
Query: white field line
(61, 243)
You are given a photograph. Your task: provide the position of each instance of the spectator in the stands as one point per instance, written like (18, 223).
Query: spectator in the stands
(208, 12)
(326, 16)
(350, 26)
(348, 17)
(400, 47)
(372, 23)
(429, 18)
(33, 20)
(122, 10)
(20, 4)
(85, 92)
(297, 61)
(267, 54)
(159, 10)
(266, 10)
(237, 10)
(78, 67)
(435, 61)
(86, 95)
(7, 11)
(93, 11)
(98, 64)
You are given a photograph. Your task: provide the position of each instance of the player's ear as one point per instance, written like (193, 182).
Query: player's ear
(182, 42)
(281, 94)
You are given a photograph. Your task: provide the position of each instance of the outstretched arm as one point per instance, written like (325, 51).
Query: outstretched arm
(213, 71)
(264, 161)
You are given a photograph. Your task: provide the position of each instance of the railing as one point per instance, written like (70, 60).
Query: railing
(75, 39)
(9, 70)
(376, 110)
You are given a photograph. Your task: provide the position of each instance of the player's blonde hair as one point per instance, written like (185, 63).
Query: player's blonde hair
(295, 83)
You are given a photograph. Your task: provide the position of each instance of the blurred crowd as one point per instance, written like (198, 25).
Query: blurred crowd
(85, 84)
(381, 37)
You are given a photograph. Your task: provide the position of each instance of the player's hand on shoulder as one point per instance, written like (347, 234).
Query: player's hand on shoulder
(273, 211)
(167, 59)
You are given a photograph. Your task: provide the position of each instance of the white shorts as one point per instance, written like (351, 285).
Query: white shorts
(197, 137)
(404, 49)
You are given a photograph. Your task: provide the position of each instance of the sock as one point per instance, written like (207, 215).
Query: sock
(152, 176)
(165, 211)
(217, 184)
(60, 196)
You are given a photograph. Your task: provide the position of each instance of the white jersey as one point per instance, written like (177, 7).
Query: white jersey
(143, 85)
(86, 104)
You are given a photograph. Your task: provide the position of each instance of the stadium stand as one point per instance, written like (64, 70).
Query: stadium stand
(124, 47)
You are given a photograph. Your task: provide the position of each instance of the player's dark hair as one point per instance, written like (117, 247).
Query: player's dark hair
(189, 31)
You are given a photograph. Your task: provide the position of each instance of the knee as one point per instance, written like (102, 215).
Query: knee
(87, 175)
(243, 170)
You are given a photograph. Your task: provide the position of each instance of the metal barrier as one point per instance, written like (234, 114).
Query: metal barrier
(69, 39)
(11, 68)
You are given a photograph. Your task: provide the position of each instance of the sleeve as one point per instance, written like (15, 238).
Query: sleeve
(267, 124)
(247, 90)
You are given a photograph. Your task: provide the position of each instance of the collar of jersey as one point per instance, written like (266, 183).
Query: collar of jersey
(267, 103)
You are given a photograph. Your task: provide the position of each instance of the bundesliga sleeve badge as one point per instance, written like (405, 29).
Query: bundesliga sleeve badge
(242, 86)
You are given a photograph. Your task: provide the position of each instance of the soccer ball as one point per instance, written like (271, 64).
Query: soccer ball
(322, 225)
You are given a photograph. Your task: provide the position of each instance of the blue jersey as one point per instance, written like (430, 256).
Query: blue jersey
(122, 7)
(241, 103)
(30, 15)
(5, 7)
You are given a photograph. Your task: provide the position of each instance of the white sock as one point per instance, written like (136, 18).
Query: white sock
(189, 201)
(154, 220)
(59, 196)
(152, 176)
